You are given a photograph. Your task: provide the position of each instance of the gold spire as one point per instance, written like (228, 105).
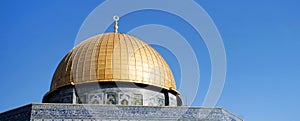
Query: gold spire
(116, 18)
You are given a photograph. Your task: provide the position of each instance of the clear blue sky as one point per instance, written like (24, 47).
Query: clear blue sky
(261, 39)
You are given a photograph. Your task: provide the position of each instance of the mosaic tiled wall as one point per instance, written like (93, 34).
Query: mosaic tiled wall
(114, 96)
(84, 112)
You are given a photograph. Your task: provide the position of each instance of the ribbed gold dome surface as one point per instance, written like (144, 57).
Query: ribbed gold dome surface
(113, 57)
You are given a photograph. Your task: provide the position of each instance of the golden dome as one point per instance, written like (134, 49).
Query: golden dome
(113, 57)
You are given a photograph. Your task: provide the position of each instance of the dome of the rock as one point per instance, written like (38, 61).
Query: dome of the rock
(112, 64)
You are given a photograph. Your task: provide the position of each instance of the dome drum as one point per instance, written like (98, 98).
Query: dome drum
(111, 93)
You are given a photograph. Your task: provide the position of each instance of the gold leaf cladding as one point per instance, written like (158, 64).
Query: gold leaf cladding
(111, 57)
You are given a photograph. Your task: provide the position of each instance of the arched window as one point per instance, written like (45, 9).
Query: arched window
(111, 98)
(95, 98)
(160, 101)
(124, 99)
(151, 102)
(138, 99)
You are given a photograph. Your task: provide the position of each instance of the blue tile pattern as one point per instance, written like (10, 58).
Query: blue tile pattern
(86, 112)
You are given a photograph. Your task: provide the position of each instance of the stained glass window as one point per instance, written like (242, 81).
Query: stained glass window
(111, 98)
(95, 98)
(151, 102)
(124, 98)
(160, 101)
(138, 99)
